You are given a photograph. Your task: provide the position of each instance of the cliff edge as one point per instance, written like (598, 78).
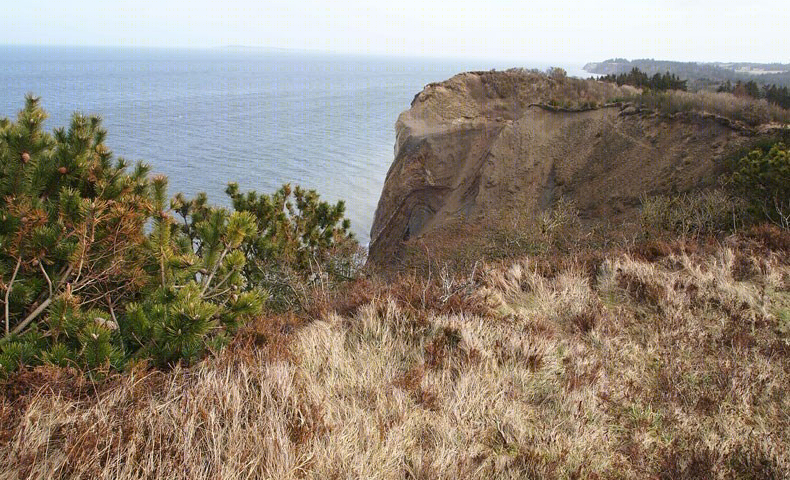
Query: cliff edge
(483, 145)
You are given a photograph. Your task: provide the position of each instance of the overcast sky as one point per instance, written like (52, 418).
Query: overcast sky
(539, 30)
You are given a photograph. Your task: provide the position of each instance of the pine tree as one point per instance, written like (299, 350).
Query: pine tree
(81, 281)
(764, 179)
(300, 238)
(71, 228)
(199, 291)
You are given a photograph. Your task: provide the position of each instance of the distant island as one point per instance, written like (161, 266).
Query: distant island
(699, 75)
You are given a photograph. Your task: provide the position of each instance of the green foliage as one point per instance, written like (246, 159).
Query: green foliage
(202, 291)
(783, 324)
(171, 324)
(763, 178)
(778, 95)
(639, 79)
(300, 241)
(704, 76)
(71, 230)
(96, 271)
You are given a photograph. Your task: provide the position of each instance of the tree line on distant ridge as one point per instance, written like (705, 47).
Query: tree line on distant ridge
(640, 79)
(701, 76)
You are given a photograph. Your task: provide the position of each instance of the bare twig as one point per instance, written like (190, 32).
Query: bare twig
(8, 293)
(214, 271)
(217, 294)
(49, 282)
(112, 313)
(33, 315)
(224, 279)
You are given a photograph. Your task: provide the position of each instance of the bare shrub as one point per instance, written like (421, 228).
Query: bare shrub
(747, 110)
(693, 214)
(557, 74)
(535, 87)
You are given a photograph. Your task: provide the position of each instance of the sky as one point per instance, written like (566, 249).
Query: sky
(537, 30)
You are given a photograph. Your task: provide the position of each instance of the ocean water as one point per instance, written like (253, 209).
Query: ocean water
(259, 118)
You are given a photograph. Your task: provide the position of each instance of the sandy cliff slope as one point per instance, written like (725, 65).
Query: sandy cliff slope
(484, 145)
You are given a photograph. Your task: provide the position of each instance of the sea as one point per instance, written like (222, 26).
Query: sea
(258, 117)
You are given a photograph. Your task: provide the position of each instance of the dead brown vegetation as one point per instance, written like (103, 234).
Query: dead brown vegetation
(743, 109)
(668, 363)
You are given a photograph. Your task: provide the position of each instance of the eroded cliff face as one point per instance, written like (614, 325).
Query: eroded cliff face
(483, 145)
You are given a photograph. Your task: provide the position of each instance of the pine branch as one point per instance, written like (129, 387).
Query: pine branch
(43, 306)
(49, 282)
(224, 279)
(33, 315)
(217, 294)
(214, 271)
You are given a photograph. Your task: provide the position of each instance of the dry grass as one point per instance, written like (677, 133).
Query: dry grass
(613, 368)
(534, 86)
(748, 110)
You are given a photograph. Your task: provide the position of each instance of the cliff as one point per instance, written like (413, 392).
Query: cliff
(482, 146)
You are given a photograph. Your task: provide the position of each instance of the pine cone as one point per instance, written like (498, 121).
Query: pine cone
(109, 324)
(63, 170)
(25, 157)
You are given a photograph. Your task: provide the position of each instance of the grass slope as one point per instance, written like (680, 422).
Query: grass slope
(617, 367)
